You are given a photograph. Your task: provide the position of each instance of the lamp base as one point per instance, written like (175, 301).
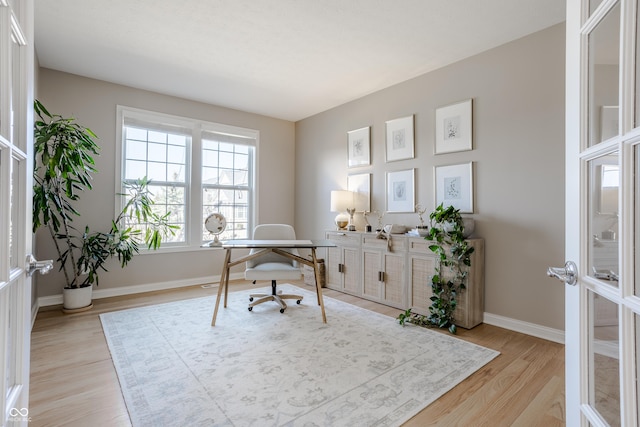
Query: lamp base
(342, 220)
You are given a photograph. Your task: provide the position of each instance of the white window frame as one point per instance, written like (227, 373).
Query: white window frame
(193, 172)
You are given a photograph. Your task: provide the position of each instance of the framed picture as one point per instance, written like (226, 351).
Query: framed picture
(358, 147)
(400, 139)
(401, 191)
(454, 126)
(361, 185)
(454, 186)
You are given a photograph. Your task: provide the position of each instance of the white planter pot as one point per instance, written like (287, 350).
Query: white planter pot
(76, 299)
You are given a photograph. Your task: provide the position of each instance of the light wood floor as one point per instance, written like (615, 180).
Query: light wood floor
(74, 383)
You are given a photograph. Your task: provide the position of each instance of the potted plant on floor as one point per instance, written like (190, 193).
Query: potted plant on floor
(447, 236)
(63, 169)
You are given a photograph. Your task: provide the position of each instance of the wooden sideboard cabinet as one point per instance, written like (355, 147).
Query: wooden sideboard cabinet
(399, 275)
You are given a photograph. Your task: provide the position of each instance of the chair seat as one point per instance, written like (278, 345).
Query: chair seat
(270, 270)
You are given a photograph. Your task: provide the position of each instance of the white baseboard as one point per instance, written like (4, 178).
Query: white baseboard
(137, 289)
(532, 329)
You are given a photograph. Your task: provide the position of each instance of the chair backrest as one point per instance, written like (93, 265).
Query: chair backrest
(273, 232)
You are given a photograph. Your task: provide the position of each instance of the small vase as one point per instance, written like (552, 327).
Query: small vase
(77, 299)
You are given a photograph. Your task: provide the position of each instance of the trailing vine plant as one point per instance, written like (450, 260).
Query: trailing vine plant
(446, 234)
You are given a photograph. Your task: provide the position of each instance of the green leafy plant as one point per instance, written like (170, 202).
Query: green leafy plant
(454, 253)
(63, 169)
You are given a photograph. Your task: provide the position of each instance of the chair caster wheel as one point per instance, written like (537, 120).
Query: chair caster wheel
(250, 299)
(298, 302)
(282, 310)
(250, 308)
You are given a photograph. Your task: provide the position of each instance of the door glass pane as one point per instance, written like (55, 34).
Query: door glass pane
(636, 233)
(593, 5)
(13, 238)
(604, 67)
(604, 351)
(15, 93)
(604, 181)
(637, 364)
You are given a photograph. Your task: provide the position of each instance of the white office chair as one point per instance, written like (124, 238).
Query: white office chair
(273, 266)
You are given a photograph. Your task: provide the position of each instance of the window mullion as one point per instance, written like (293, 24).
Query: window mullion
(195, 193)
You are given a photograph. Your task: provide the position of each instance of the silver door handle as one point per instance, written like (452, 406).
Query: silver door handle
(42, 266)
(568, 273)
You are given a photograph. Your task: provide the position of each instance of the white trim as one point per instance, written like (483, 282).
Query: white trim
(138, 289)
(527, 328)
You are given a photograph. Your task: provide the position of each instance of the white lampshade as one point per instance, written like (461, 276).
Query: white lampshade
(341, 200)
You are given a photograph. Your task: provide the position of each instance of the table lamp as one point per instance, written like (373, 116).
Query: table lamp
(341, 202)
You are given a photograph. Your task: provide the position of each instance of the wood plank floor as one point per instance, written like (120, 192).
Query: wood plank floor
(74, 383)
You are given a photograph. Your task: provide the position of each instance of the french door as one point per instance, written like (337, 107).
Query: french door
(603, 212)
(16, 166)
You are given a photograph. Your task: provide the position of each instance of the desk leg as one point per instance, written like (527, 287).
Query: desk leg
(223, 281)
(318, 284)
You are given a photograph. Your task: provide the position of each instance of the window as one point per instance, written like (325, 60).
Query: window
(196, 168)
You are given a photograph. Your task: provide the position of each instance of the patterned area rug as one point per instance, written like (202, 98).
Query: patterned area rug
(264, 368)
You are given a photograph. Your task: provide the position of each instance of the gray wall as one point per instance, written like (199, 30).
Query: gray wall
(518, 102)
(93, 104)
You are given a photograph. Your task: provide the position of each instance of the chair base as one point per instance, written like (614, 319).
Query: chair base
(278, 297)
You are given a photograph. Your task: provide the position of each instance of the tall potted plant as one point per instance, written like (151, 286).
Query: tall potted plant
(63, 169)
(447, 238)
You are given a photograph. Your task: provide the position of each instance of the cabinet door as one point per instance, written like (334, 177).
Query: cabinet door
(421, 270)
(351, 270)
(372, 267)
(393, 278)
(333, 274)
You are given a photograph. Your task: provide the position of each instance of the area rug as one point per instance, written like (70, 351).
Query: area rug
(266, 368)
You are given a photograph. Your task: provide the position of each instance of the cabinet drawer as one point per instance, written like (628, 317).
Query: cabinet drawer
(419, 245)
(398, 244)
(343, 238)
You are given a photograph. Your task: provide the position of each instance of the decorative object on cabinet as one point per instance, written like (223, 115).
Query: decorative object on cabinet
(341, 202)
(454, 186)
(358, 147)
(447, 241)
(400, 139)
(364, 266)
(421, 211)
(400, 191)
(380, 216)
(360, 185)
(454, 128)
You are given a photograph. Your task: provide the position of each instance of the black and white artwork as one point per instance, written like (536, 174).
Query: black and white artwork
(401, 191)
(400, 139)
(454, 124)
(358, 147)
(454, 186)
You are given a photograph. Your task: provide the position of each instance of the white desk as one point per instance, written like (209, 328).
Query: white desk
(268, 246)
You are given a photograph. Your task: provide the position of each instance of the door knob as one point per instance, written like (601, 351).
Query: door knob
(568, 273)
(42, 266)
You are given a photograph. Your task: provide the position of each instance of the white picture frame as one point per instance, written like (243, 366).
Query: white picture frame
(454, 186)
(361, 185)
(358, 147)
(454, 127)
(401, 191)
(400, 139)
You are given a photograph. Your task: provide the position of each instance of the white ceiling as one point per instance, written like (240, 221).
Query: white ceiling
(288, 59)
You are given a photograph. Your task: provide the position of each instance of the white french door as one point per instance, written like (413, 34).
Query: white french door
(16, 166)
(602, 212)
